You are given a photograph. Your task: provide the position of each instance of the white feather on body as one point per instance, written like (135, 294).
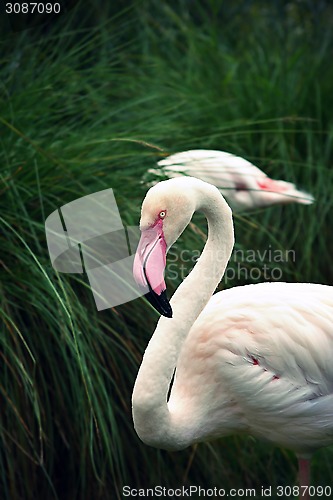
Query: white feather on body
(236, 178)
(286, 398)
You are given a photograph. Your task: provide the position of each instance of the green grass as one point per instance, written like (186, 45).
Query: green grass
(92, 103)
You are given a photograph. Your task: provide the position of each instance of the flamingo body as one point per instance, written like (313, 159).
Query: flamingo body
(243, 184)
(258, 360)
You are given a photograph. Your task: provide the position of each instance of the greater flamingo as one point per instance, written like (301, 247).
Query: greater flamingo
(252, 359)
(243, 184)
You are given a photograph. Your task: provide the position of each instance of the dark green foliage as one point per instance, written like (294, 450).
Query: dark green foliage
(91, 101)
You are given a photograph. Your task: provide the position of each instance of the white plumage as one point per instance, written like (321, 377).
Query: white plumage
(243, 184)
(259, 359)
(254, 359)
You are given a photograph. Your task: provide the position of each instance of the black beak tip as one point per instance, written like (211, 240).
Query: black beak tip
(160, 303)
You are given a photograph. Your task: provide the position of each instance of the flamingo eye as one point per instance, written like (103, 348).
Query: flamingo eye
(162, 214)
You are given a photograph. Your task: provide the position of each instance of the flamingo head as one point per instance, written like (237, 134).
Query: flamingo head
(166, 211)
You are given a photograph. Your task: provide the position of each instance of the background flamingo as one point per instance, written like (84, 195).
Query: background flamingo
(254, 359)
(244, 185)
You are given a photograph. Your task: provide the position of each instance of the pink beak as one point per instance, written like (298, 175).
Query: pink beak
(149, 266)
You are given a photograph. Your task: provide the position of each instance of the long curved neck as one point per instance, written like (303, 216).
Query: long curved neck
(153, 421)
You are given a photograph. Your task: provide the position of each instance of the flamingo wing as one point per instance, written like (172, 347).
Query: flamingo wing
(267, 349)
(242, 183)
(220, 168)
